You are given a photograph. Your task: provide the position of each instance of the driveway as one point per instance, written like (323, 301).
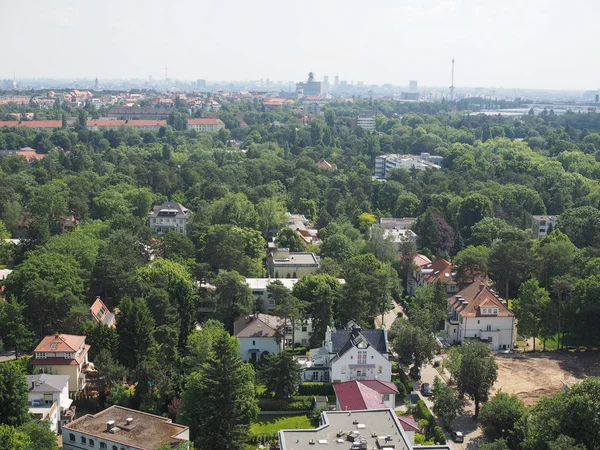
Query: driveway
(389, 317)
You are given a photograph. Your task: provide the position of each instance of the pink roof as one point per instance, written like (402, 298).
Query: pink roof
(105, 123)
(382, 387)
(421, 260)
(364, 394)
(146, 123)
(408, 423)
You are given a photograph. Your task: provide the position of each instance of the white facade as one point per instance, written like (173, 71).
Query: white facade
(366, 123)
(498, 331)
(360, 364)
(261, 294)
(253, 348)
(384, 163)
(542, 223)
(48, 399)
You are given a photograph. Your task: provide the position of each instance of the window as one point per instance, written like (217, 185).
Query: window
(41, 355)
(103, 445)
(489, 328)
(362, 357)
(315, 376)
(114, 447)
(91, 442)
(386, 397)
(343, 370)
(71, 437)
(83, 440)
(304, 328)
(478, 322)
(379, 369)
(253, 342)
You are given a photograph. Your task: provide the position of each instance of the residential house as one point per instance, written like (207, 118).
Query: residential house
(261, 334)
(48, 399)
(397, 223)
(301, 225)
(120, 428)
(211, 125)
(281, 263)
(168, 217)
(101, 313)
(476, 312)
(438, 271)
(63, 354)
(360, 430)
(107, 124)
(33, 124)
(543, 225)
(147, 125)
(350, 354)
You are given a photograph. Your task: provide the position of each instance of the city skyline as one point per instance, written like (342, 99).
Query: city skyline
(537, 45)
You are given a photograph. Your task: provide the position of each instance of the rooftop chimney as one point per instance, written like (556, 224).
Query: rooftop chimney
(109, 425)
(481, 286)
(129, 421)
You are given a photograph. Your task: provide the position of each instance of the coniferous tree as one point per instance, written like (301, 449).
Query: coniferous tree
(135, 327)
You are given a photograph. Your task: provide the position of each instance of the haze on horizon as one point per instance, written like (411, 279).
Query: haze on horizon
(542, 44)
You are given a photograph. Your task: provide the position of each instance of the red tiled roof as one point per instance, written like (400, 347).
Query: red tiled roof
(30, 155)
(441, 270)
(61, 361)
(421, 260)
(62, 343)
(41, 124)
(476, 295)
(9, 123)
(146, 123)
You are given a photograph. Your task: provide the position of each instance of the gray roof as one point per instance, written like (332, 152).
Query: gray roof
(344, 340)
(47, 383)
(171, 210)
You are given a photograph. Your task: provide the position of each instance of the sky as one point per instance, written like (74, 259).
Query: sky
(544, 44)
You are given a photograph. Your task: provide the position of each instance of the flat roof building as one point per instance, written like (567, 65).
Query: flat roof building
(118, 427)
(370, 429)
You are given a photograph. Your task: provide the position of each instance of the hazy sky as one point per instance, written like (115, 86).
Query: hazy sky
(550, 44)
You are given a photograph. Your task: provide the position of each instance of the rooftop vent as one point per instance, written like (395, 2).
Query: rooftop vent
(129, 421)
(110, 425)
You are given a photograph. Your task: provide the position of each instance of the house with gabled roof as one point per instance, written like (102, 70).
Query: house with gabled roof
(168, 217)
(48, 399)
(350, 354)
(63, 354)
(476, 312)
(438, 271)
(101, 313)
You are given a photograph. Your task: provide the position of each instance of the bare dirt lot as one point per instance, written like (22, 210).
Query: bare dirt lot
(531, 376)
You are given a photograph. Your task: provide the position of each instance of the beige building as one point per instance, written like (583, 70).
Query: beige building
(170, 216)
(211, 125)
(63, 354)
(119, 428)
(282, 263)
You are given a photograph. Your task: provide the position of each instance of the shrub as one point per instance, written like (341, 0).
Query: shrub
(297, 403)
(401, 389)
(438, 435)
(314, 388)
(408, 386)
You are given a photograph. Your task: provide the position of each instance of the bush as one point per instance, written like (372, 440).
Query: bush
(401, 389)
(438, 435)
(424, 416)
(297, 403)
(314, 388)
(408, 386)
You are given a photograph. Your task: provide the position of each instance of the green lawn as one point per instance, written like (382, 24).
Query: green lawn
(271, 423)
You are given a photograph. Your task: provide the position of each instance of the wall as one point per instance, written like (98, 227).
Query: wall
(268, 344)
(375, 360)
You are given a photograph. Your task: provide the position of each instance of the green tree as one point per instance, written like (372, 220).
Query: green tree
(218, 401)
(283, 375)
(338, 247)
(40, 435)
(135, 327)
(13, 395)
(368, 289)
(574, 413)
(509, 262)
(200, 344)
(233, 297)
(271, 216)
(287, 307)
(500, 415)
(582, 226)
(14, 333)
(471, 262)
(500, 444)
(412, 344)
(288, 238)
(530, 308)
(476, 372)
(13, 439)
(447, 402)
(472, 209)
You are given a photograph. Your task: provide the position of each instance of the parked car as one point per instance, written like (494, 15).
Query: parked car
(458, 437)
(426, 390)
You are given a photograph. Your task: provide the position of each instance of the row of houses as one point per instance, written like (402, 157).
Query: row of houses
(211, 125)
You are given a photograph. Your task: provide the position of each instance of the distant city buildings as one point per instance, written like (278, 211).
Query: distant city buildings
(139, 113)
(211, 125)
(309, 88)
(385, 163)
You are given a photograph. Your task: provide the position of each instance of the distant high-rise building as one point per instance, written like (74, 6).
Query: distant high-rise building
(310, 88)
(96, 84)
(201, 84)
(336, 81)
(413, 86)
(326, 86)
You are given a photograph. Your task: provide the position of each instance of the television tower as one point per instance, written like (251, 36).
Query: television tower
(166, 73)
(452, 82)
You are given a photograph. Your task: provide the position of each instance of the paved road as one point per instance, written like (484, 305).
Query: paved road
(389, 317)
